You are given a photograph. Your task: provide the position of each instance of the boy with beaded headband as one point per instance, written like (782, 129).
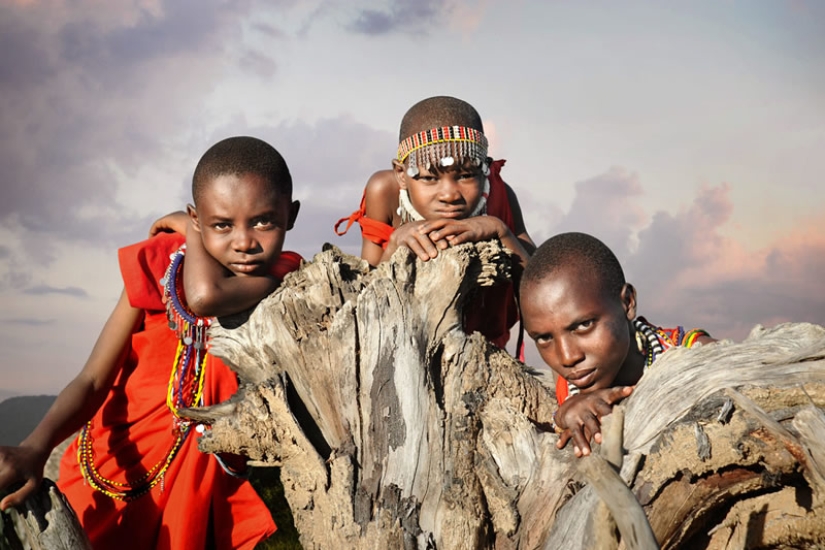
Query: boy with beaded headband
(135, 476)
(581, 313)
(444, 190)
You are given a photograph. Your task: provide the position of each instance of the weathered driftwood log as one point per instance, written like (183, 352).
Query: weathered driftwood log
(395, 429)
(44, 522)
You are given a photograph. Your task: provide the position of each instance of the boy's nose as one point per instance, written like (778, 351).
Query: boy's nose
(448, 189)
(244, 241)
(570, 354)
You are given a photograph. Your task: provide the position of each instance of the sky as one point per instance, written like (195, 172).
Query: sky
(687, 135)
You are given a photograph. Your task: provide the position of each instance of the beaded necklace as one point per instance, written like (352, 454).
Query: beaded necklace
(653, 341)
(185, 389)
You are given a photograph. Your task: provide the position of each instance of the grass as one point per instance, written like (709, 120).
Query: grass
(267, 481)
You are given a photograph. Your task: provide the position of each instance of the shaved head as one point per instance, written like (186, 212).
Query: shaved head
(581, 251)
(439, 111)
(242, 155)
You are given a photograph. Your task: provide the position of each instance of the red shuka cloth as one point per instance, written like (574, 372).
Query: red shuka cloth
(494, 309)
(197, 503)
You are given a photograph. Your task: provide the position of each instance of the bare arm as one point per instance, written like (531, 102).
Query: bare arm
(211, 289)
(380, 203)
(75, 405)
(176, 222)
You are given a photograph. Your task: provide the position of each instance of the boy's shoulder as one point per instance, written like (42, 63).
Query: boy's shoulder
(154, 251)
(382, 182)
(143, 264)
(381, 196)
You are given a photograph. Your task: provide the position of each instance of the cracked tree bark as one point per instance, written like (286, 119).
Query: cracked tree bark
(395, 429)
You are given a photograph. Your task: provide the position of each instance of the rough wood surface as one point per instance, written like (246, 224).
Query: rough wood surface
(394, 429)
(44, 522)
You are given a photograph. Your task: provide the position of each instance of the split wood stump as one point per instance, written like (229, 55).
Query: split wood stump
(45, 521)
(395, 429)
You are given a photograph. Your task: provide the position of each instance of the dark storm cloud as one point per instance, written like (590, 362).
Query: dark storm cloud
(42, 290)
(401, 16)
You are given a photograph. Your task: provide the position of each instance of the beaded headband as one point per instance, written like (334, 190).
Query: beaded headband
(442, 145)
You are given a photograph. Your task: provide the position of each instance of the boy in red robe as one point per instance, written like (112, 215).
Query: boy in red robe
(581, 313)
(134, 476)
(444, 190)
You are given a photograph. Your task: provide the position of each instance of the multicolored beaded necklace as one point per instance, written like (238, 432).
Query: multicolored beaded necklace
(185, 390)
(653, 341)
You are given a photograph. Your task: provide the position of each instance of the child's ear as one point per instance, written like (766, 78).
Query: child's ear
(293, 214)
(398, 170)
(629, 301)
(193, 215)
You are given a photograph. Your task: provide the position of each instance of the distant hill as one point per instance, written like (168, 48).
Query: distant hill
(5, 394)
(19, 416)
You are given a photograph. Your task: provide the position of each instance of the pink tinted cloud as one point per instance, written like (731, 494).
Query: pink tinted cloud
(687, 271)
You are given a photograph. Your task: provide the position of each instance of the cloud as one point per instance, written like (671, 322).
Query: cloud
(405, 16)
(688, 272)
(28, 322)
(330, 161)
(41, 290)
(87, 92)
(607, 206)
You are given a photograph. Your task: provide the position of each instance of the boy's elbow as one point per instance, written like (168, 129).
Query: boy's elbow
(203, 301)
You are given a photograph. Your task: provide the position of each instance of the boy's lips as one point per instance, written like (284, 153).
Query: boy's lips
(245, 267)
(582, 378)
(452, 214)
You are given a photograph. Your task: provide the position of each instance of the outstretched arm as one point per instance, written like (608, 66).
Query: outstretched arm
(211, 289)
(75, 405)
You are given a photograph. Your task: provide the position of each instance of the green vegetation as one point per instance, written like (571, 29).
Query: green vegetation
(267, 481)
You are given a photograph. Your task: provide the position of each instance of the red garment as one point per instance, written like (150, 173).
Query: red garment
(197, 503)
(494, 309)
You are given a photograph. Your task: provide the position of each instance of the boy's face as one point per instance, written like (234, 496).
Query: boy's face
(243, 222)
(583, 334)
(450, 192)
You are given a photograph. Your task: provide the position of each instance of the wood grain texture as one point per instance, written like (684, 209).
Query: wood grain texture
(395, 429)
